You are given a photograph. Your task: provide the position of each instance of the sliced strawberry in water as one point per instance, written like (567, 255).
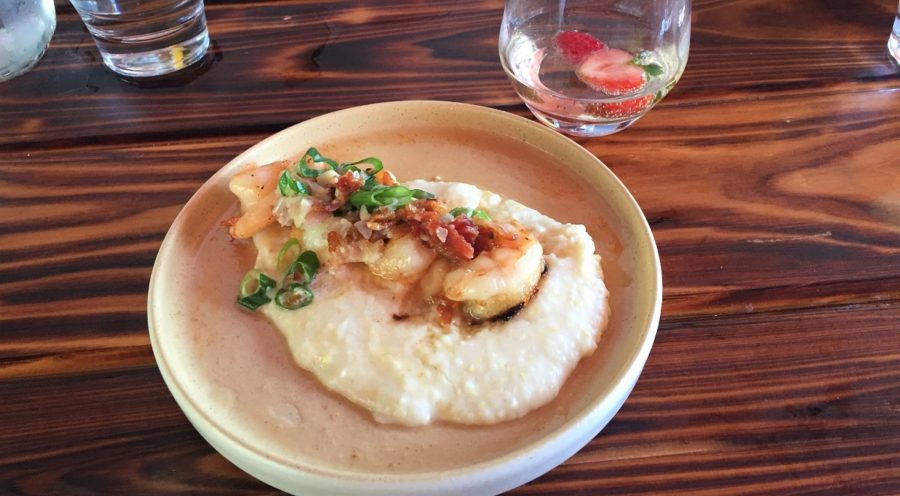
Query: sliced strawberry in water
(611, 72)
(576, 45)
(620, 110)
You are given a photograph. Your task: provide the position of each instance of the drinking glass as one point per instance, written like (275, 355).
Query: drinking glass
(594, 67)
(26, 27)
(894, 40)
(145, 38)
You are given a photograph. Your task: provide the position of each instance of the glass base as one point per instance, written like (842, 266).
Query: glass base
(894, 46)
(158, 62)
(581, 128)
(8, 73)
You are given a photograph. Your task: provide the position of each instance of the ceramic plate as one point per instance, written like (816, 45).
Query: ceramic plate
(231, 372)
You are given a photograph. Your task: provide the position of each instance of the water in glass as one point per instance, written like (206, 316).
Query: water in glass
(142, 38)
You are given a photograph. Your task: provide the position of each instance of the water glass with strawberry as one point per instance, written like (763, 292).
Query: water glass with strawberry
(594, 67)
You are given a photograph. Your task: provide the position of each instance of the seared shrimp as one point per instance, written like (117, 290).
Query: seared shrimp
(404, 258)
(498, 280)
(257, 189)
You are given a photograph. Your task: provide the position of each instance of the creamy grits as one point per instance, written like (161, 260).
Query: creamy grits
(369, 335)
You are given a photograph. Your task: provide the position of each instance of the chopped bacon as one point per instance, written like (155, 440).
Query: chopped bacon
(424, 218)
(492, 236)
(484, 241)
(334, 241)
(382, 218)
(458, 246)
(466, 228)
(346, 185)
(446, 309)
(349, 182)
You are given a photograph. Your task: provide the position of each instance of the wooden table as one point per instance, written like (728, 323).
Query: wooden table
(770, 177)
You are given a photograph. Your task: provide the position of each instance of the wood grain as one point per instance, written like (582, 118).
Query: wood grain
(770, 177)
(278, 63)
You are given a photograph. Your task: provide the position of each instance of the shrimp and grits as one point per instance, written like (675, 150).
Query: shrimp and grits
(423, 301)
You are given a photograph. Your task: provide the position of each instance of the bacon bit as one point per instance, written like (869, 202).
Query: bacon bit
(446, 309)
(424, 219)
(334, 241)
(349, 182)
(466, 228)
(400, 316)
(458, 246)
(382, 218)
(484, 241)
(346, 185)
(491, 236)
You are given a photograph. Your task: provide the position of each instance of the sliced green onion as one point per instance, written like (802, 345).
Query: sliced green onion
(471, 213)
(376, 165)
(254, 289)
(371, 198)
(288, 254)
(313, 156)
(379, 195)
(304, 269)
(288, 186)
(422, 195)
(294, 296)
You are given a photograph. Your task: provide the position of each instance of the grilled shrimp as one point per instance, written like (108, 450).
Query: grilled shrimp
(404, 258)
(497, 281)
(257, 189)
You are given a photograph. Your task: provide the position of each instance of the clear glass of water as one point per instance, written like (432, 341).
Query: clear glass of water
(146, 38)
(894, 40)
(26, 27)
(594, 67)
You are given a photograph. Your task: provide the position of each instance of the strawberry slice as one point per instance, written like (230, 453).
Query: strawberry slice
(576, 45)
(621, 110)
(611, 71)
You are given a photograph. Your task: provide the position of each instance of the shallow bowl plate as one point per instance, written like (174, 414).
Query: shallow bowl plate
(231, 373)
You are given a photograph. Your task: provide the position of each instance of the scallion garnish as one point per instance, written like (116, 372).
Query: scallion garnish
(254, 289)
(312, 156)
(374, 196)
(288, 186)
(288, 254)
(471, 213)
(375, 168)
(303, 269)
(294, 296)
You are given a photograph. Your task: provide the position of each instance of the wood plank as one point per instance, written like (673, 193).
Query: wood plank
(276, 63)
